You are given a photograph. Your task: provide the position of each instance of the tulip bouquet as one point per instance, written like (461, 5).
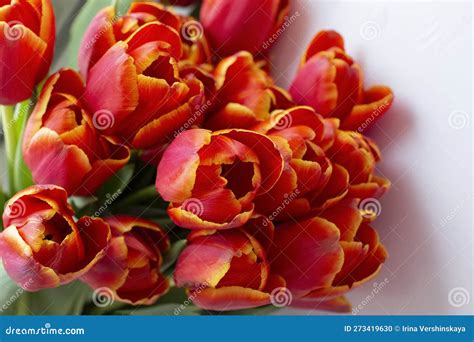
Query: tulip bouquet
(166, 172)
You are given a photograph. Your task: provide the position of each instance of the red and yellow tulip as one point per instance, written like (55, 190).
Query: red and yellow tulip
(332, 83)
(132, 73)
(202, 172)
(63, 144)
(42, 246)
(27, 39)
(131, 267)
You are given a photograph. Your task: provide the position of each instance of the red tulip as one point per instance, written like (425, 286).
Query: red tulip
(323, 165)
(332, 83)
(202, 172)
(132, 74)
(107, 28)
(309, 181)
(42, 246)
(312, 263)
(131, 268)
(364, 255)
(233, 26)
(358, 155)
(245, 94)
(62, 144)
(227, 270)
(307, 254)
(27, 38)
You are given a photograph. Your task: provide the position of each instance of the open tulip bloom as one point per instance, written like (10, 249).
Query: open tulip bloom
(163, 164)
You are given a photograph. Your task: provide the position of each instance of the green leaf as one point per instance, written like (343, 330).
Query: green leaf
(121, 6)
(23, 177)
(117, 183)
(139, 196)
(172, 255)
(10, 142)
(65, 300)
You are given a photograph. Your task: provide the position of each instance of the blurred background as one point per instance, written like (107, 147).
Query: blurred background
(423, 50)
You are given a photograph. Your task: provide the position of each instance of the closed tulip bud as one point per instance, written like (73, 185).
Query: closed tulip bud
(27, 38)
(233, 26)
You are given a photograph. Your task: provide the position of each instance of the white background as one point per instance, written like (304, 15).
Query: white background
(423, 51)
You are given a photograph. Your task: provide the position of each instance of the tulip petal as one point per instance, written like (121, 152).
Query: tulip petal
(315, 86)
(156, 31)
(229, 298)
(52, 162)
(376, 102)
(112, 85)
(97, 39)
(110, 271)
(20, 264)
(213, 261)
(346, 216)
(19, 76)
(259, 18)
(322, 41)
(176, 171)
(307, 254)
(189, 220)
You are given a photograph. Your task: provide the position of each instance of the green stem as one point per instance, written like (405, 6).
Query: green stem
(138, 196)
(10, 142)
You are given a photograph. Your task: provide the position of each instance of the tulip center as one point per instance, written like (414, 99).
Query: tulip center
(239, 177)
(56, 229)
